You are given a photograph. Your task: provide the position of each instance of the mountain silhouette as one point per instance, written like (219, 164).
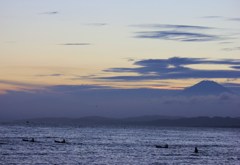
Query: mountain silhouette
(206, 87)
(161, 121)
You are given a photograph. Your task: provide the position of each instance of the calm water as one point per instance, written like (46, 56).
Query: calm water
(119, 145)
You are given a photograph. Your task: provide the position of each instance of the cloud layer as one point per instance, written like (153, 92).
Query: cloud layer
(176, 68)
(183, 33)
(171, 26)
(178, 36)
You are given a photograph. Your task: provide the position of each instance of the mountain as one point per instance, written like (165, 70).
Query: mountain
(206, 87)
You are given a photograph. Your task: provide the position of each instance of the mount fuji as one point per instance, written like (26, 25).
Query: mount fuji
(206, 87)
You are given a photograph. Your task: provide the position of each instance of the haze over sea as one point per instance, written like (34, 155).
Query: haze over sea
(119, 145)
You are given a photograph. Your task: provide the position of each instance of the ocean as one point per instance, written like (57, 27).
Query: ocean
(119, 145)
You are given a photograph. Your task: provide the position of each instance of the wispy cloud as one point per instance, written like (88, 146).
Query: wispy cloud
(50, 75)
(213, 17)
(96, 24)
(231, 85)
(222, 18)
(50, 12)
(20, 84)
(175, 68)
(234, 19)
(178, 36)
(170, 26)
(75, 44)
(232, 49)
(182, 33)
(226, 42)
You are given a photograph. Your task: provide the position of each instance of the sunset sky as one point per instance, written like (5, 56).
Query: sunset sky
(63, 42)
(109, 57)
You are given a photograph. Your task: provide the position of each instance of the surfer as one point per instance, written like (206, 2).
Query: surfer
(196, 150)
(28, 140)
(58, 141)
(159, 146)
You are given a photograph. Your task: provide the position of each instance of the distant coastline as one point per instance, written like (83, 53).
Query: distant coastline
(157, 121)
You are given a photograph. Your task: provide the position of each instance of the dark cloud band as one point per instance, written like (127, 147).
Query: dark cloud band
(170, 26)
(175, 68)
(177, 36)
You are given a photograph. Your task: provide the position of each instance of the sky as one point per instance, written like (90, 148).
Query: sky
(154, 44)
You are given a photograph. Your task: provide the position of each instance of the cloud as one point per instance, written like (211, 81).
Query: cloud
(51, 13)
(178, 36)
(96, 24)
(74, 89)
(170, 26)
(234, 19)
(226, 42)
(235, 67)
(232, 49)
(222, 18)
(20, 84)
(175, 68)
(213, 17)
(76, 44)
(229, 85)
(182, 33)
(51, 75)
(56, 74)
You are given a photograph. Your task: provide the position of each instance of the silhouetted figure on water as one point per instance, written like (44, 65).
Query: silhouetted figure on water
(58, 141)
(159, 146)
(196, 150)
(29, 140)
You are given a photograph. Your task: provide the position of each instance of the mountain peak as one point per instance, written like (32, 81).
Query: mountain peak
(206, 87)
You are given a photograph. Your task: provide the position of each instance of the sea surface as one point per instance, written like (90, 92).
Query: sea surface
(119, 145)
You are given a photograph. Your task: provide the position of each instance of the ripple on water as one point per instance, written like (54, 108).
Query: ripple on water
(119, 146)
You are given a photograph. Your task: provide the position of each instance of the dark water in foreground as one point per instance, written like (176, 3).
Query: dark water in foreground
(129, 145)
